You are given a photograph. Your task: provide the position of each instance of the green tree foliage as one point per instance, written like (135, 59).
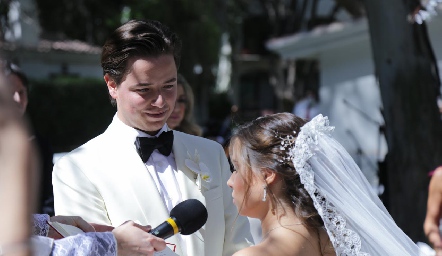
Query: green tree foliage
(87, 20)
(93, 20)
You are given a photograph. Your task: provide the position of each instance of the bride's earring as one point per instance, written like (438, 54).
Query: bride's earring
(264, 197)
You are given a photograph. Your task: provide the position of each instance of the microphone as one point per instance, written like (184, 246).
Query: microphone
(185, 218)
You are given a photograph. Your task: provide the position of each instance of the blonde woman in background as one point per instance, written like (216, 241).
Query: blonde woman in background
(182, 118)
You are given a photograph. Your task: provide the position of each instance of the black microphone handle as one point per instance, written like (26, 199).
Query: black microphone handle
(166, 229)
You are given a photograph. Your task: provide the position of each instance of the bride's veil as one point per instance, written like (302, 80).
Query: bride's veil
(354, 217)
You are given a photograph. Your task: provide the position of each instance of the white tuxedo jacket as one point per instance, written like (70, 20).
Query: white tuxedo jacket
(105, 181)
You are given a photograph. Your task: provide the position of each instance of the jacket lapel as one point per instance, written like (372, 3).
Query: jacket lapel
(187, 182)
(186, 178)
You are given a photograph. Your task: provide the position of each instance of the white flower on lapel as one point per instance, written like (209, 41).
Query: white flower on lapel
(200, 169)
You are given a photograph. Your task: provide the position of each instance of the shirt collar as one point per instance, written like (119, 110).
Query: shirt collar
(131, 133)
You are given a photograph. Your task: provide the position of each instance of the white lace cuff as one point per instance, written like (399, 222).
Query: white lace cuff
(41, 227)
(87, 244)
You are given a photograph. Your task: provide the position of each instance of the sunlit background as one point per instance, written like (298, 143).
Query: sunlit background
(242, 58)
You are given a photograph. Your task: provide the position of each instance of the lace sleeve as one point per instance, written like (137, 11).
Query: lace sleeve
(87, 244)
(41, 227)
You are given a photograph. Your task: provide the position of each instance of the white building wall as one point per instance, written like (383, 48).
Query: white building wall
(23, 20)
(37, 62)
(347, 73)
(350, 97)
(434, 26)
(40, 65)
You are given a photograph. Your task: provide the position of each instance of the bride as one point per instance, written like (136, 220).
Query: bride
(308, 193)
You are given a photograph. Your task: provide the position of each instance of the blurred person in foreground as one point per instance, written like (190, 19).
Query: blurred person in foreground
(18, 162)
(21, 236)
(182, 118)
(309, 194)
(18, 84)
(138, 168)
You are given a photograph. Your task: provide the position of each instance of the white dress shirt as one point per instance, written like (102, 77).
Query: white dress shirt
(163, 170)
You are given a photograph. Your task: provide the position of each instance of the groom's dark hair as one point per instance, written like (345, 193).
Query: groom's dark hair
(137, 39)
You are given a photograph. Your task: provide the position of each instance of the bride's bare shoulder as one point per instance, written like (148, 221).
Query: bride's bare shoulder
(256, 250)
(290, 243)
(277, 249)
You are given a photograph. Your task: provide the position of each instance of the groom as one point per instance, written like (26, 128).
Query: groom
(123, 174)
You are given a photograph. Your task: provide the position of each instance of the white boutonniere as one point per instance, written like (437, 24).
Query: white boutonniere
(200, 169)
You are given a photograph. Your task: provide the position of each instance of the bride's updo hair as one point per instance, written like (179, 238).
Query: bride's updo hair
(260, 143)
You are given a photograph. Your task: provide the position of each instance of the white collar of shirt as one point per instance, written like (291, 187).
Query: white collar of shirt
(129, 133)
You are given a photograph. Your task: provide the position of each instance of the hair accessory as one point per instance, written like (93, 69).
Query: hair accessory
(287, 143)
(264, 197)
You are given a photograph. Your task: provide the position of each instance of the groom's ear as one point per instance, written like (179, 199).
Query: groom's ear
(111, 86)
(269, 176)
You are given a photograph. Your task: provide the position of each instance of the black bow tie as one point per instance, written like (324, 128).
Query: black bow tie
(145, 146)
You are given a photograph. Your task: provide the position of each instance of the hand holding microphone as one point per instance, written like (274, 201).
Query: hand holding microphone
(185, 218)
(133, 239)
